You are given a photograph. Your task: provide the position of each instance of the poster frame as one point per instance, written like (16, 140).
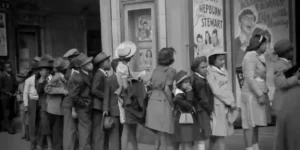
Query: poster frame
(6, 30)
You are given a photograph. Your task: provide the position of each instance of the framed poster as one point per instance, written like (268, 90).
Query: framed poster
(3, 35)
(270, 19)
(144, 28)
(208, 26)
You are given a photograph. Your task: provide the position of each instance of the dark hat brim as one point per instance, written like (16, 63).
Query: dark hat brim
(99, 61)
(90, 59)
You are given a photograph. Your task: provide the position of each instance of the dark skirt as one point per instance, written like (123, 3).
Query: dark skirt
(186, 132)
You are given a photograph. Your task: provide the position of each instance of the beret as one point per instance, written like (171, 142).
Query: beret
(197, 61)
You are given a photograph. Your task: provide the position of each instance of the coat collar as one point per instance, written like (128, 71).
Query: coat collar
(104, 72)
(178, 91)
(220, 71)
(86, 78)
(199, 75)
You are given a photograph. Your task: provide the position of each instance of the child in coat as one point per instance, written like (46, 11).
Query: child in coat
(186, 126)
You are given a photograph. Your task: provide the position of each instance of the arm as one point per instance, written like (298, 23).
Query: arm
(249, 67)
(96, 82)
(281, 82)
(26, 92)
(202, 96)
(107, 95)
(18, 94)
(224, 96)
(55, 88)
(75, 94)
(182, 102)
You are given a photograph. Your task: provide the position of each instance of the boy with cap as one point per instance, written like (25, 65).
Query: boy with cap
(102, 65)
(70, 129)
(56, 91)
(8, 88)
(82, 98)
(111, 107)
(23, 114)
(30, 98)
(204, 99)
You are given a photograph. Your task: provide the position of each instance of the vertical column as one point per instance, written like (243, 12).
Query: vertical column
(161, 13)
(106, 26)
(115, 21)
(228, 35)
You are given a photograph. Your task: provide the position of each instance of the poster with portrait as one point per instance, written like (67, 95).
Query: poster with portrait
(265, 17)
(3, 35)
(208, 26)
(144, 32)
(145, 59)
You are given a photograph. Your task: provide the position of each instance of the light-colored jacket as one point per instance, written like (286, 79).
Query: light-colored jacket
(55, 90)
(222, 125)
(30, 90)
(282, 83)
(254, 71)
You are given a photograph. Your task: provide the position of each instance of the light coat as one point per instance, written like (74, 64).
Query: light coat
(282, 84)
(55, 90)
(223, 97)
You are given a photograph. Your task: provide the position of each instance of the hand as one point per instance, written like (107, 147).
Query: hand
(74, 114)
(105, 113)
(263, 99)
(25, 108)
(189, 89)
(66, 93)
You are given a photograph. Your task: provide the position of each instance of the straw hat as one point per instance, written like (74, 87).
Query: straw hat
(126, 49)
(218, 51)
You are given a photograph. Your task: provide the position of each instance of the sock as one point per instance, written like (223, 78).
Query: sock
(255, 147)
(201, 145)
(249, 148)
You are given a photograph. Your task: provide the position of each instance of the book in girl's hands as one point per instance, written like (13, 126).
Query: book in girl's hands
(290, 72)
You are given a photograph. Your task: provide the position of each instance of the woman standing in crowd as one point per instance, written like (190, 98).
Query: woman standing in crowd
(56, 91)
(159, 110)
(187, 131)
(224, 113)
(203, 99)
(254, 99)
(287, 102)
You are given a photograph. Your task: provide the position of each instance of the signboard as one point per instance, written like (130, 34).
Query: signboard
(267, 17)
(3, 35)
(208, 26)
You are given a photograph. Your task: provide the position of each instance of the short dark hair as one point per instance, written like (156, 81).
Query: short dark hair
(212, 59)
(114, 63)
(166, 56)
(246, 12)
(199, 36)
(255, 42)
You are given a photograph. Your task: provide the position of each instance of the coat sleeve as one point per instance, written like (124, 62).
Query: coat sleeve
(224, 96)
(281, 82)
(107, 97)
(181, 102)
(26, 92)
(78, 87)
(96, 82)
(202, 96)
(249, 67)
(54, 87)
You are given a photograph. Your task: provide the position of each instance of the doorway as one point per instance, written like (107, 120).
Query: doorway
(28, 46)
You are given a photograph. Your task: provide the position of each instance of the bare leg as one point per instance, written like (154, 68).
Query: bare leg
(163, 141)
(125, 136)
(157, 141)
(221, 143)
(248, 136)
(255, 135)
(132, 134)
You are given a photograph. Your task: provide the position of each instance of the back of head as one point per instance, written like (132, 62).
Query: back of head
(166, 56)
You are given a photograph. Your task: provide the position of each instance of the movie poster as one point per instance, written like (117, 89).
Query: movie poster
(3, 36)
(145, 59)
(267, 17)
(208, 26)
(144, 32)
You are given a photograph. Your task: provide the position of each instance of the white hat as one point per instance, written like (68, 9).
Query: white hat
(218, 51)
(126, 49)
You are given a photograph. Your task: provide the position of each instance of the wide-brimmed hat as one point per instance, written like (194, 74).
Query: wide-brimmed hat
(282, 46)
(22, 74)
(46, 61)
(197, 61)
(34, 65)
(181, 76)
(101, 57)
(218, 51)
(71, 53)
(61, 64)
(82, 59)
(126, 49)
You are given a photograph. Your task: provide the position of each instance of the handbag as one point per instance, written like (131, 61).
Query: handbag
(186, 118)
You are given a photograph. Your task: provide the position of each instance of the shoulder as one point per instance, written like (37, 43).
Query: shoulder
(171, 71)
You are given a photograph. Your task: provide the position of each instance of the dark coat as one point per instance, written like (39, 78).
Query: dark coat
(68, 102)
(81, 91)
(204, 98)
(40, 89)
(110, 102)
(204, 102)
(98, 87)
(8, 84)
